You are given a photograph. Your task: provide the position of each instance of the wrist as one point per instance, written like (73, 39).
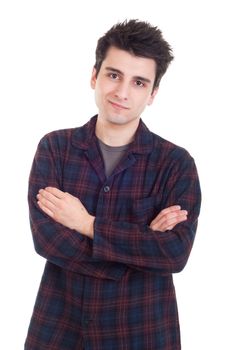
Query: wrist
(89, 227)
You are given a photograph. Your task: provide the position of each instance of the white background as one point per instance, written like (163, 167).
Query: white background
(47, 53)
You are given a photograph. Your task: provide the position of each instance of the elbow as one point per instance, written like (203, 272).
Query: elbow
(178, 266)
(179, 253)
(179, 262)
(40, 250)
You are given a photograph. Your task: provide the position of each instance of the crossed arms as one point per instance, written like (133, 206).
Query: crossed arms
(67, 235)
(71, 213)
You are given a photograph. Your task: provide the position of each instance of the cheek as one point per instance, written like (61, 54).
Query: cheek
(100, 97)
(97, 98)
(100, 88)
(142, 102)
(150, 100)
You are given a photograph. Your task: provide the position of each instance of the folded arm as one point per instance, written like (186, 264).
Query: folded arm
(59, 244)
(162, 245)
(68, 210)
(144, 247)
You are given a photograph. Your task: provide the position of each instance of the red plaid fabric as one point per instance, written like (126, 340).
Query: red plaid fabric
(114, 292)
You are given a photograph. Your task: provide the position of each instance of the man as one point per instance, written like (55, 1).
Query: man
(113, 209)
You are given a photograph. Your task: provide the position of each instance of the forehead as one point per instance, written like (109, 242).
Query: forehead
(129, 64)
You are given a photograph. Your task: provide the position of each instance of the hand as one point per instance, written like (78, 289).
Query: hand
(66, 210)
(168, 218)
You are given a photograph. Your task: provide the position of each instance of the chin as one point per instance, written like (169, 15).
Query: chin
(119, 120)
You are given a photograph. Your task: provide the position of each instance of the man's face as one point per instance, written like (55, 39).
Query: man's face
(123, 87)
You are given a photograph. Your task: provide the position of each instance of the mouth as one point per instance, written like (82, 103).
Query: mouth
(117, 105)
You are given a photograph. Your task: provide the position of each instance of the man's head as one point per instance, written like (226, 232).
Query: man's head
(140, 39)
(131, 59)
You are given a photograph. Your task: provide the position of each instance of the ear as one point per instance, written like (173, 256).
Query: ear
(151, 99)
(93, 78)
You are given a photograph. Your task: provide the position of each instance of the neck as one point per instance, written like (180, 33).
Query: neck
(115, 135)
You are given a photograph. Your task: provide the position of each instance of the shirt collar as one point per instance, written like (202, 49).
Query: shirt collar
(84, 137)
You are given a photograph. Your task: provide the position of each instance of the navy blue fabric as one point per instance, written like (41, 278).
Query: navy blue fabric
(115, 291)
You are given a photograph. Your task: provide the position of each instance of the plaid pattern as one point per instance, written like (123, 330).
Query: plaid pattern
(114, 292)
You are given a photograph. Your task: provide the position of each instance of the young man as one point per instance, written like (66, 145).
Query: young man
(113, 209)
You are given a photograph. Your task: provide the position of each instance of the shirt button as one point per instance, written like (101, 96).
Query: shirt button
(106, 189)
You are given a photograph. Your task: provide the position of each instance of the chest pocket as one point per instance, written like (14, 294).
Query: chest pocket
(144, 210)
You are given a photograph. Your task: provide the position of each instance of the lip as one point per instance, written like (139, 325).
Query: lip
(117, 105)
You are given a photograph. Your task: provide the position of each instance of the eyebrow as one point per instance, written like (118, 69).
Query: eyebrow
(137, 77)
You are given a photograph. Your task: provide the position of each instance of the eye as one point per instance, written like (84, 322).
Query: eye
(139, 83)
(113, 76)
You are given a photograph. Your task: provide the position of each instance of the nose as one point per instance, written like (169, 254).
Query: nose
(122, 91)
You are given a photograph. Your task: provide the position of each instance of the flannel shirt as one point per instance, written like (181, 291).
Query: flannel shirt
(114, 292)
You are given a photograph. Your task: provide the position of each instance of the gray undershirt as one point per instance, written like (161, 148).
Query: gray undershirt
(111, 156)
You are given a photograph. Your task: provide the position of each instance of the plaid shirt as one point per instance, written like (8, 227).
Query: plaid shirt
(114, 292)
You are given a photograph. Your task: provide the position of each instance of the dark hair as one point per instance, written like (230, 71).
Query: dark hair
(140, 39)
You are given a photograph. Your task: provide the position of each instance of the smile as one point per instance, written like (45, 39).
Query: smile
(118, 106)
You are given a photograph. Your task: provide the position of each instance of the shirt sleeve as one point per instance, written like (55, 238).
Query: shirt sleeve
(144, 249)
(62, 246)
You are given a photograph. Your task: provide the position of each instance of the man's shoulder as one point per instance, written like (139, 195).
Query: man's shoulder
(165, 143)
(168, 148)
(57, 138)
(66, 136)
(59, 134)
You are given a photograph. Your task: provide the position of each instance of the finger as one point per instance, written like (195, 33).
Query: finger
(173, 216)
(168, 220)
(170, 209)
(174, 219)
(47, 202)
(167, 211)
(163, 217)
(44, 195)
(45, 209)
(55, 191)
(173, 222)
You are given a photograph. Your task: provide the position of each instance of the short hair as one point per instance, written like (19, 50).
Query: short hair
(139, 38)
